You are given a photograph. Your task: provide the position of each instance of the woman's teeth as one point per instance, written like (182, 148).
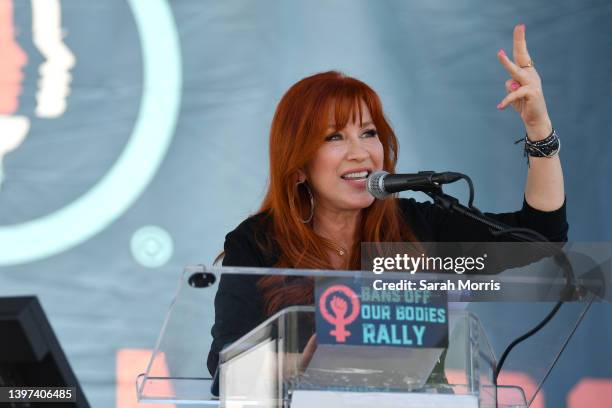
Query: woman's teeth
(356, 175)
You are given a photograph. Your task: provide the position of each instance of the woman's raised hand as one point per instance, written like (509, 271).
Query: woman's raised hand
(525, 88)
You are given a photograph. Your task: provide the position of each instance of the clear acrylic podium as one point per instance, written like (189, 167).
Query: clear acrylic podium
(265, 368)
(268, 367)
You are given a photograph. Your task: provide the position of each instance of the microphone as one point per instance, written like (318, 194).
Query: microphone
(381, 184)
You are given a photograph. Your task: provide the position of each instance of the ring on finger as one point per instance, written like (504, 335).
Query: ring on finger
(530, 64)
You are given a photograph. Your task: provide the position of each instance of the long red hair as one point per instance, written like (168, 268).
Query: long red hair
(297, 131)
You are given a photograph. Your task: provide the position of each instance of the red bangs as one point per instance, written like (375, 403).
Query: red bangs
(345, 97)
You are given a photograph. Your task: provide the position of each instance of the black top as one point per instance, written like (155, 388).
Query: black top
(239, 305)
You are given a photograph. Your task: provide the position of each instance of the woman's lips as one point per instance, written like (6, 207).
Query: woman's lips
(356, 183)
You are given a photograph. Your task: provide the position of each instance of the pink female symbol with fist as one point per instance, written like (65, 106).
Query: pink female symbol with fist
(339, 309)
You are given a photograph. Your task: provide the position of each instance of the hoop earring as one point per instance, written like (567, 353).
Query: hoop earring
(306, 221)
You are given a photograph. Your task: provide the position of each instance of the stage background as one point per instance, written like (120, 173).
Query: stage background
(136, 138)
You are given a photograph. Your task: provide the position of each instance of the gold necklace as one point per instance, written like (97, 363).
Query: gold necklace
(340, 250)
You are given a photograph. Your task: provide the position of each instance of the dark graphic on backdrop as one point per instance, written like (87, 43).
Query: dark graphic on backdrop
(351, 312)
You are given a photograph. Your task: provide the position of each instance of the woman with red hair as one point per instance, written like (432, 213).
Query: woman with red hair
(327, 135)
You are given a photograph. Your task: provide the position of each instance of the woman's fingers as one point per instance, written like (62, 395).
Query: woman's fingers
(512, 85)
(525, 87)
(513, 69)
(515, 96)
(519, 46)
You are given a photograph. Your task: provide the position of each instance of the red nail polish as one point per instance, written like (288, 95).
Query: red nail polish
(522, 26)
(499, 106)
(514, 86)
(502, 52)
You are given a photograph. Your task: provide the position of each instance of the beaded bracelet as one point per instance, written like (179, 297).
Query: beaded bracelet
(541, 148)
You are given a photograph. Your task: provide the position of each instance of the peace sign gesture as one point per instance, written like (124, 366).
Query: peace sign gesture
(525, 88)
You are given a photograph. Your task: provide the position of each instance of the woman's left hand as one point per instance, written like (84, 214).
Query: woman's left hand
(525, 88)
(308, 352)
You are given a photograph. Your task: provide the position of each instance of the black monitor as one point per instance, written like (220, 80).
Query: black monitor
(30, 355)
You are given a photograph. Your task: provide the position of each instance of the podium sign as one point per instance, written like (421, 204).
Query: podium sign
(353, 312)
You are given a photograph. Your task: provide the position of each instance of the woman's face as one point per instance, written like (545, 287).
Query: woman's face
(339, 169)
